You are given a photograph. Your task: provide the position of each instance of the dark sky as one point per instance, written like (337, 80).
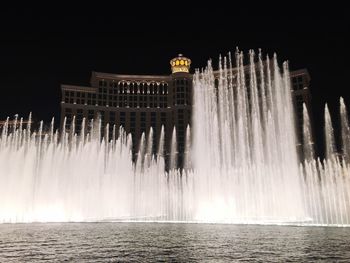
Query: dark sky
(42, 46)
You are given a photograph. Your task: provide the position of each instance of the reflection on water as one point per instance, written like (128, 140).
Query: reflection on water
(148, 242)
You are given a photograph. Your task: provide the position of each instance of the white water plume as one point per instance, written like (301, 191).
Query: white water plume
(240, 166)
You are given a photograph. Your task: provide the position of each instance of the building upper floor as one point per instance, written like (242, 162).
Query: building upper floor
(154, 91)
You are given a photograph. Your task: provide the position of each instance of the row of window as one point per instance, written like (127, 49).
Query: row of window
(298, 82)
(111, 116)
(135, 90)
(86, 95)
(133, 87)
(122, 101)
(123, 83)
(105, 92)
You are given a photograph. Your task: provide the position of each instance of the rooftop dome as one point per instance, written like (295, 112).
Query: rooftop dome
(180, 64)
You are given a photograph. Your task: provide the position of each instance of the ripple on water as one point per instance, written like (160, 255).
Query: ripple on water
(147, 242)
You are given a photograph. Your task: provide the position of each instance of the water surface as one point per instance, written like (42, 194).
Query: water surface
(155, 242)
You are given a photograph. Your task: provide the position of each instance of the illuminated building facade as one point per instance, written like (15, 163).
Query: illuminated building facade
(139, 102)
(135, 102)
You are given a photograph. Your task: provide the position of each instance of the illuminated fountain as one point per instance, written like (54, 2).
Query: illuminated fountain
(246, 165)
(241, 163)
(327, 183)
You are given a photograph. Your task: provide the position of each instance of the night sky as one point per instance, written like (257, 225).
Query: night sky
(44, 46)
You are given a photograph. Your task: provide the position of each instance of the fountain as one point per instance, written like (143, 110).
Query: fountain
(244, 144)
(241, 163)
(327, 183)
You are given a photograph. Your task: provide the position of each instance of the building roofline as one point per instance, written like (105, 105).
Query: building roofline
(300, 72)
(18, 122)
(76, 87)
(125, 76)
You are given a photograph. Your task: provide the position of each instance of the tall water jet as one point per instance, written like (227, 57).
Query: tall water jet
(308, 143)
(173, 151)
(326, 189)
(187, 154)
(329, 135)
(75, 179)
(161, 143)
(345, 132)
(247, 164)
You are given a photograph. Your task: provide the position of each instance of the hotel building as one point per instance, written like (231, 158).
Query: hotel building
(139, 102)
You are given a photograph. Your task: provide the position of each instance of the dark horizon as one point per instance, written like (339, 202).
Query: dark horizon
(46, 46)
